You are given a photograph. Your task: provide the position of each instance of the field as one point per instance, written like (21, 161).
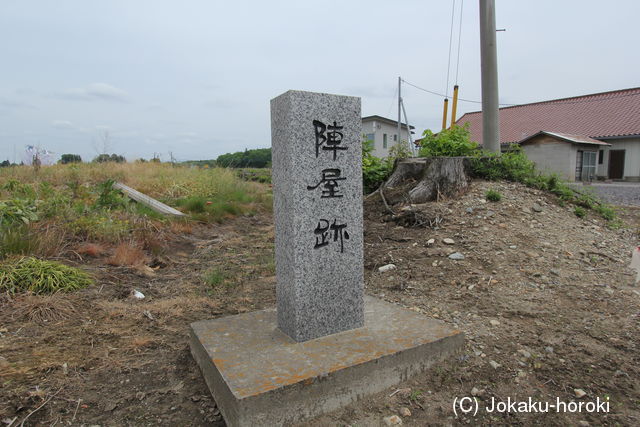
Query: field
(546, 296)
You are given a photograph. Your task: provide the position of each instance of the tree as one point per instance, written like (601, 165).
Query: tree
(5, 164)
(70, 158)
(104, 158)
(258, 158)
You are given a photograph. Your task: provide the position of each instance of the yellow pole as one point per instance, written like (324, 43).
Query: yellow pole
(454, 106)
(444, 114)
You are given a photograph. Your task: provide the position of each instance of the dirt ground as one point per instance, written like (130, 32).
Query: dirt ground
(546, 300)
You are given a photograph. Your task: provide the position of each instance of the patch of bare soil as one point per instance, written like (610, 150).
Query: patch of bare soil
(546, 296)
(101, 357)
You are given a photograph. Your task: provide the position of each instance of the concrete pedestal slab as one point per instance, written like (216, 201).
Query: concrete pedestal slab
(259, 376)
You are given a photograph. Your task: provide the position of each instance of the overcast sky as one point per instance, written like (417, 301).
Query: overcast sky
(196, 77)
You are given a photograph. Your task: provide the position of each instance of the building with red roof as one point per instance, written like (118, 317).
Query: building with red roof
(581, 138)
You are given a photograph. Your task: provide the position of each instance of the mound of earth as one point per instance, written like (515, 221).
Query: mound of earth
(546, 300)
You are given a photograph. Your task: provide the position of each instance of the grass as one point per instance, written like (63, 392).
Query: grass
(17, 240)
(493, 195)
(580, 212)
(79, 203)
(215, 277)
(37, 276)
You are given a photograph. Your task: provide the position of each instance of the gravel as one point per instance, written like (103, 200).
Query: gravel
(619, 193)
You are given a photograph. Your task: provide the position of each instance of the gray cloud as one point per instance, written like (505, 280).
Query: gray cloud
(62, 124)
(15, 104)
(94, 92)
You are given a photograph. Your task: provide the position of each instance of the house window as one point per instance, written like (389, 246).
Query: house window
(371, 139)
(384, 140)
(600, 157)
(395, 137)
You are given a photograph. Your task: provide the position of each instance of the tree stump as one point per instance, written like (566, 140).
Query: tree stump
(423, 179)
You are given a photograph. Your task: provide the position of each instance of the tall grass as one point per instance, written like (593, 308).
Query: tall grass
(218, 191)
(158, 180)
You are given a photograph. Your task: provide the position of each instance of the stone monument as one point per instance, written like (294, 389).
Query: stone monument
(326, 345)
(317, 191)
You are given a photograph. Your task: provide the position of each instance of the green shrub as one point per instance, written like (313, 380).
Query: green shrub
(17, 211)
(108, 197)
(580, 212)
(493, 196)
(510, 166)
(375, 171)
(40, 277)
(451, 142)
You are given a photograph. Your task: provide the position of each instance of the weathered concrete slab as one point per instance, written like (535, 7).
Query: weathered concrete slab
(260, 376)
(146, 200)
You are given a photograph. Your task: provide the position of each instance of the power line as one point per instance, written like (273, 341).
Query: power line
(459, 38)
(445, 96)
(596, 97)
(453, 11)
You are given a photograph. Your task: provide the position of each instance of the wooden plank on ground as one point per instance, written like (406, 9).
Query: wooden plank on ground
(146, 200)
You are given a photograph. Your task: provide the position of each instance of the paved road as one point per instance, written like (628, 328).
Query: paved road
(617, 193)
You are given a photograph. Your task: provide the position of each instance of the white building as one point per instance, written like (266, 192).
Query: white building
(384, 134)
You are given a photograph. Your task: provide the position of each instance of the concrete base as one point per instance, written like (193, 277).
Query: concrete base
(259, 376)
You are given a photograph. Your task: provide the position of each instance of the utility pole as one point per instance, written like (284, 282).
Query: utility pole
(489, 70)
(399, 108)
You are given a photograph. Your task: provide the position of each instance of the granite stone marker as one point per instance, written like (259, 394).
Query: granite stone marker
(317, 186)
(278, 367)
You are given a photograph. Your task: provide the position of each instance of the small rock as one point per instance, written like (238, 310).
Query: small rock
(526, 210)
(387, 267)
(405, 412)
(457, 256)
(524, 353)
(536, 207)
(476, 392)
(583, 423)
(404, 392)
(393, 420)
(579, 392)
(136, 294)
(513, 247)
(489, 214)
(555, 272)
(65, 368)
(431, 242)
(548, 349)
(531, 254)
(494, 364)
(448, 241)
(4, 363)
(609, 290)
(469, 210)
(494, 322)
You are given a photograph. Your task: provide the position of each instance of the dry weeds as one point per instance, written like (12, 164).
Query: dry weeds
(127, 254)
(92, 250)
(42, 309)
